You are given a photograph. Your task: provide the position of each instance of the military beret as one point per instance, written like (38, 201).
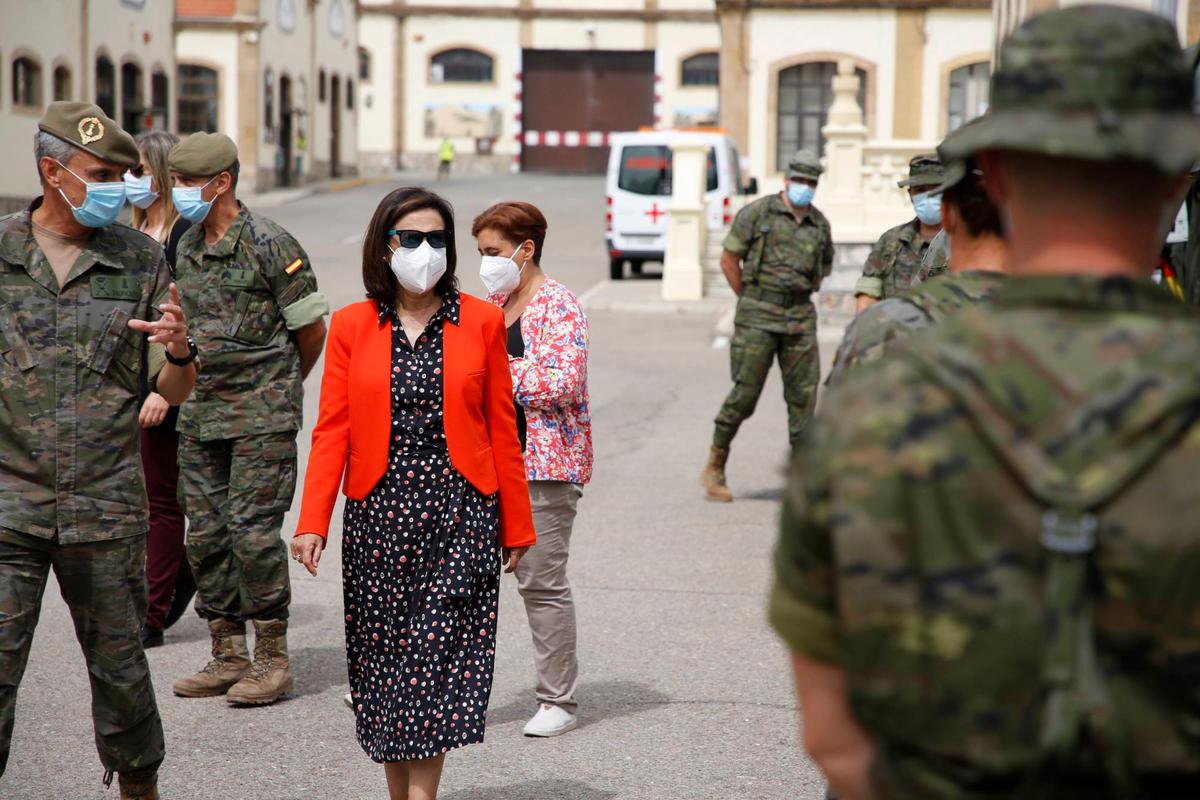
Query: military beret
(923, 170)
(1091, 82)
(203, 154)
(88, 128)
(804, 164)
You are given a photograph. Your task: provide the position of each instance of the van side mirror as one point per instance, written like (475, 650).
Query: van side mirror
(751, 186)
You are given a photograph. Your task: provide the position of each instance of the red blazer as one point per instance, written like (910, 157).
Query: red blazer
(355, 417)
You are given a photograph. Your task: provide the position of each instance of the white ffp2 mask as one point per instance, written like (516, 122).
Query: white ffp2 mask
(420, 268)
(500, 274)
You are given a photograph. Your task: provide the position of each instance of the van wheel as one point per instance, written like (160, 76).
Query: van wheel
(616, 268)
(636, 267)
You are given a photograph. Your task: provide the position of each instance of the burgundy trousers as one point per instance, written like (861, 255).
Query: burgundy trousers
(164, 546)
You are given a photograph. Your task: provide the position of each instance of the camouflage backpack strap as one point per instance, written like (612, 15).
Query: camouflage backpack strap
(995, 375)
(752, 263)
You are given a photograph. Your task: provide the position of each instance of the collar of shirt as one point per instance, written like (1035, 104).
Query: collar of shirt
(228, 243)
(449, 310)
(780, 207)
(1089, 292)
(18, 246)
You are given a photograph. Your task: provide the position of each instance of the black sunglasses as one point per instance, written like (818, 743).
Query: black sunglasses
(411, 240)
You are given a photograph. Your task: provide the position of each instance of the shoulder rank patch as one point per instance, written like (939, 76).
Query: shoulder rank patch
(294, 267)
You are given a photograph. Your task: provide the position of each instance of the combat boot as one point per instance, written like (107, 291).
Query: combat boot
(230, 662)
(270, 676)
(138, 785)
(713, 477)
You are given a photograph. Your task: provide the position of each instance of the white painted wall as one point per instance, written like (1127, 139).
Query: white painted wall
(377, 96)
(217, 50)
(779, 35)
(677, 41)
(950, 35)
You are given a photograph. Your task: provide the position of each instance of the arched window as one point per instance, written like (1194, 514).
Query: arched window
(702, 70)
(62, 83)
(968, 99)
(805, 94)
(133, 103)
(26, 83)
(106, 85)
(460, 66)
(159, 92)
(364, 64)
(196, 98)
(321, 86)
(269, 105)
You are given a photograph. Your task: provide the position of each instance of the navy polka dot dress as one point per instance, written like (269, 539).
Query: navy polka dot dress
(421, 575)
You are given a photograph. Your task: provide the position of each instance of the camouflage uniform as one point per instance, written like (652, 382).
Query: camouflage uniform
(986, 537)
(936, 260)
(896, 257)
(73, 496)
(783, 263)
(237, 454)
(879, 327)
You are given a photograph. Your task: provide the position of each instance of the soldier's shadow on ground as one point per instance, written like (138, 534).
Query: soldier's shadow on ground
(599, 701)
(548, 789)
(774, 495)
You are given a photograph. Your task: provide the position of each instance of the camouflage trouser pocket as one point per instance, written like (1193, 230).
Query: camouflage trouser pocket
(750, 355)
(270, 472)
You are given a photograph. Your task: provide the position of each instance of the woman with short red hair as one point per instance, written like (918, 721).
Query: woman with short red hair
(547, 349)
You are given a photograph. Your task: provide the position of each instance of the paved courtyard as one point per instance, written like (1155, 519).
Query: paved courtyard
(684, 691)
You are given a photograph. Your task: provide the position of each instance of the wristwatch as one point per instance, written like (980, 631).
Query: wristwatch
(189, 358)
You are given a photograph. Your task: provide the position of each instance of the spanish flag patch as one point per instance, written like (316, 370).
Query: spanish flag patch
(294, 267)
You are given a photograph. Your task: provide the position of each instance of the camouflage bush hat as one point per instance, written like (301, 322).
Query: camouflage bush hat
(923, 170)
(1100, 83)
(955, 169)
(804, 164)
(203, 154)
(88, 128)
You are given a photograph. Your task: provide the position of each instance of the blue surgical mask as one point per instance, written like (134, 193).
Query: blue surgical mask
(929, 207)
(189, 202)
(101, 205)
(800, 194)
(138, 191)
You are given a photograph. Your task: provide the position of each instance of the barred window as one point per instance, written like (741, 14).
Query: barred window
(461, 66)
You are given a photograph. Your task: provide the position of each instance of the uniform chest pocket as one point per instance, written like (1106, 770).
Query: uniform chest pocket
(116, 343)
(255, 320)
(14, 350)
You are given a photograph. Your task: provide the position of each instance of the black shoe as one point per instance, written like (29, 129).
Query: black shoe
(151, 637)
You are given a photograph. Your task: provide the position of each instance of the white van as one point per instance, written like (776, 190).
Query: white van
(638, 193)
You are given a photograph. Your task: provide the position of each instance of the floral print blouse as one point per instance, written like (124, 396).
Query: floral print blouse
(550, 382)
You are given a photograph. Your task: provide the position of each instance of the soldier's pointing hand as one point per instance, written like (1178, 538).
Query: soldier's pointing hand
(170, 328)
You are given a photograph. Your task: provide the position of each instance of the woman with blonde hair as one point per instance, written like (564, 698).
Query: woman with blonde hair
(169, 581)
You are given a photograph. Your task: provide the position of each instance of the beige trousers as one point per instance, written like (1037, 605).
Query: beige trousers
(542, 582)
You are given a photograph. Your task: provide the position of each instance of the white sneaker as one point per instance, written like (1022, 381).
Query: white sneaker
(550, 721)
(349, 701)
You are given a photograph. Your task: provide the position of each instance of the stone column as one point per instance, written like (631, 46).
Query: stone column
(840, 192)
(683, 274)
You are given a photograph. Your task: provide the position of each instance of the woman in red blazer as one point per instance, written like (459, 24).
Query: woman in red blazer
(417, 425)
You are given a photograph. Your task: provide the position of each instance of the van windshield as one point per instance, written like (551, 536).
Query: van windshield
(646, 169)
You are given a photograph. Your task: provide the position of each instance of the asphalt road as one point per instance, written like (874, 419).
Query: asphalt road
(684, 691)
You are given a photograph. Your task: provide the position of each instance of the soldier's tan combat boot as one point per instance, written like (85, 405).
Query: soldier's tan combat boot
(138, 786)
(230, 662)
(270, 676)
(713, 477)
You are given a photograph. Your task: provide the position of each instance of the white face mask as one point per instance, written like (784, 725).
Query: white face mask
(419, 269)
(500, 274)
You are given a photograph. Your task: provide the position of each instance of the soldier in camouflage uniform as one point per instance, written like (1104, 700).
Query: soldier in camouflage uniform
(260, 329)
(776, 255)
(986, 573)
(74, 291)
(973, 223)
(896, 257)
